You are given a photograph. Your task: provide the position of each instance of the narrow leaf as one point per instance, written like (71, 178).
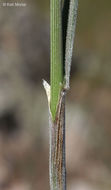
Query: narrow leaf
(70, 39)
(56, 53)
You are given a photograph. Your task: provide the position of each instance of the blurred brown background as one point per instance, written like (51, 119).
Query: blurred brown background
(24, 62)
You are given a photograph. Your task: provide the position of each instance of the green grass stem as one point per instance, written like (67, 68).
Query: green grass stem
(56, 76)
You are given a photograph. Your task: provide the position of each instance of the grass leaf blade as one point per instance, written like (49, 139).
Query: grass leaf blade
(70, 39)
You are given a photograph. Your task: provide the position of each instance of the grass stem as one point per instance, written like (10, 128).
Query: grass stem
(56, 76)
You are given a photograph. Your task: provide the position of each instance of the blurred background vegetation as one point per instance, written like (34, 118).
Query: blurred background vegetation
(24, 62)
